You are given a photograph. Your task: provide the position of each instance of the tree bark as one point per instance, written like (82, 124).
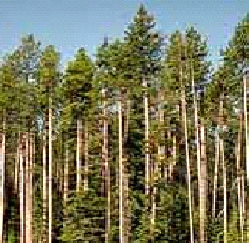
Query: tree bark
(17, 166)
(224, 188)
(86, 155)
(239, 182)
(221, 117)
(216, 164)
(147, 155)
(196, 126)
(245, 80)
(105, 154)
(121, 220)
(44, 187)
(78, 156)
(2, 179)
(50, 217)
(127, 213)
(203, 186)
(28, 189)
(65, 181)
(23, 171)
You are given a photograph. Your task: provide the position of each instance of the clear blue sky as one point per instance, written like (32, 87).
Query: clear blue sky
(71, 24)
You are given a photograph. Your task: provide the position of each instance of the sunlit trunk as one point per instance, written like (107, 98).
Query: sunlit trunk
(86, 155)
(222, 159)
(239, 182)
(78, 156)
(2, 178)
(120, 127)
(216, 164)
(147, 155)
(50, 186)
(105, 154)
(184, 120)
(44, 187)
(126, 204)
(17, 166)
(65, 173)
(23, 171)
(224, 189)
(203, 185)
(245, 80)
(198, 159)
(28, 199)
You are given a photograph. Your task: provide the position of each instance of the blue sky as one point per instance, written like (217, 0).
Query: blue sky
(71, 24)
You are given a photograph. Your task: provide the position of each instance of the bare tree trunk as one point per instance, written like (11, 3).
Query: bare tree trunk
(105, 154)
(160, 153)
(239, 175)
(203, 185)
(50, 177)
(78, 157)
(121, 220)
(174, 151)
(245, 77)
(17, 166)
(28, 199)
(32, 165)
(44, 187)
(21, 191)
(65, 186)
(86, 151)
(161, 147)
(23, 196)
(216, 163)
(243, 196)
(221, 121)
(196, 126)
(224, 188)
(147, 155)
(184, 117)
(126, 204)
(168, 167)
(2, 179)
(246, 124)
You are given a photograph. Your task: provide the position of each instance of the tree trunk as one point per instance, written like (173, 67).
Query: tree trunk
(239, 182)
(184, 117)
(246, 125)
(147, 155)
(126, 204)
(160, 153)
(50, 217)
(44, 187)
(245, 77)
(105, 154)
(65, 186)
(174, 151)
(23, 171)
(221, 121)
(203, 185)
(168, 166)
(2, 179)
(28, 194)
(86, 155)
(17, 166)
(224, 188)
(121, 220)
(216, 164)
(78, 156)
(196, 126)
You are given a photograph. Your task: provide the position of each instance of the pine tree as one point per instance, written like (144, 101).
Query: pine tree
(49, 75)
